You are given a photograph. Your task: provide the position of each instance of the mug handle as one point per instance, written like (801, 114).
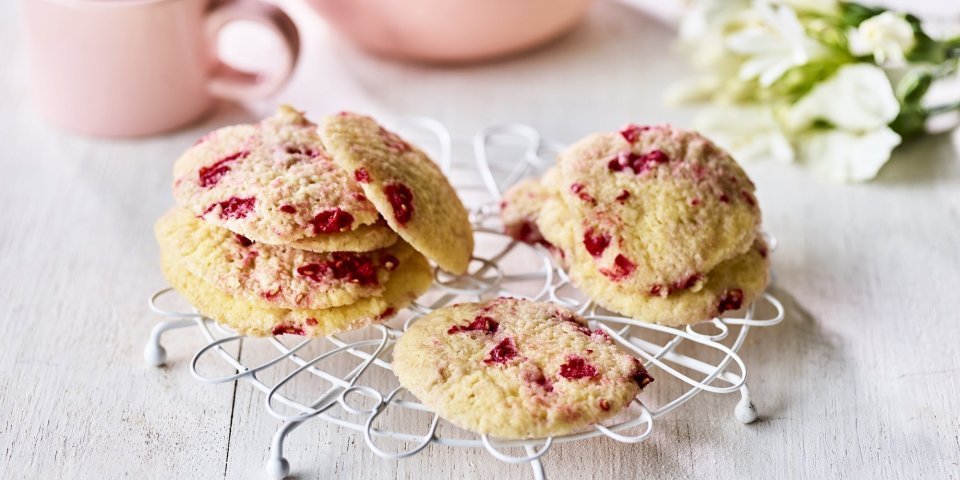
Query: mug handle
(235, 84)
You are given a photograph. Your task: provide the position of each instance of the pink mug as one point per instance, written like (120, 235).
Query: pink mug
(124, 68)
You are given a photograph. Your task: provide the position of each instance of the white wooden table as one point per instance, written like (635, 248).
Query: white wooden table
(861, 380)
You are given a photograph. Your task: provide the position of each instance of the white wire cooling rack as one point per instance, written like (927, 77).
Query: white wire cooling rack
(358, 390)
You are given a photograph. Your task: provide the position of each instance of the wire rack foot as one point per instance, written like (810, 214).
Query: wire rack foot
(358, 400)
(745, 411)
(277, 466)
(154, 353)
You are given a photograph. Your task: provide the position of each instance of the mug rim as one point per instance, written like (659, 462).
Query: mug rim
(108, 3)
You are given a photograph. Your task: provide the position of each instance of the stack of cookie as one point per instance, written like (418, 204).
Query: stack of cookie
(655, 223)
(284, 227)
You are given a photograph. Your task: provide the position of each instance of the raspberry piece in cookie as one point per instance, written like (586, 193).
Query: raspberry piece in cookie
(401, 201)
(515, 368)
(519, 209)
(331, 221)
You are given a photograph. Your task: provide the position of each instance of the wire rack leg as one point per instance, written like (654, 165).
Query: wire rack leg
(277, 466)
(535, 464)
(745, 411)
(153, 352)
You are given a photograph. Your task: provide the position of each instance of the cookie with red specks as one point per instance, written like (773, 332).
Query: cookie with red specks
(411, 279)
(363, 238)
(273, 183)
(734, 283)
(520, 211)
(515, 368)
(656, 207)
(275, 275)
(520, 208)
(408, 189)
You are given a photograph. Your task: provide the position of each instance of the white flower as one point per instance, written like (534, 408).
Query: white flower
(858, 103)
(773, 44)
(840, 127)
(703, 27)
(888, 37)
(848, 156)
(703, 17)
(748, 132)
(858, 97)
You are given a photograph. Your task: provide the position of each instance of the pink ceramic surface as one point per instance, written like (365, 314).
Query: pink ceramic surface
(450, 30)
(137, 67)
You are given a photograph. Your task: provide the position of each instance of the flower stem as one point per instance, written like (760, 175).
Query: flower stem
(951, 49)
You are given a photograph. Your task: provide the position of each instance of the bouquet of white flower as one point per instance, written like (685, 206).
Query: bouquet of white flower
(834, 85)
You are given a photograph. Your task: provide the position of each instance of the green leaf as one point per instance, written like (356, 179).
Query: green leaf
(799, 80)
(952, 47)
(926, 48)
(854, 14)
(910, 123)
(913, 86)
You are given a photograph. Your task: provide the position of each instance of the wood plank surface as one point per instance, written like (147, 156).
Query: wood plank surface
(862, 379)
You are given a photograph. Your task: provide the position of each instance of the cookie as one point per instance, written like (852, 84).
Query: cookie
(274, 275)
(361, 239)
(520, 208)
(732, 284)
(656, 206)
(272, 182)
(515, 368)
(408, 189)
(520, 211)
(411, 279)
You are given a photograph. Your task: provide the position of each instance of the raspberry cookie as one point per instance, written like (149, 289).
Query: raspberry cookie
(273, 183)
(656, 207)
(274, 275)
(361, 239)
(411, 279)
(520, 208)
(406, 187)
(733, 283)
(515, 368)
